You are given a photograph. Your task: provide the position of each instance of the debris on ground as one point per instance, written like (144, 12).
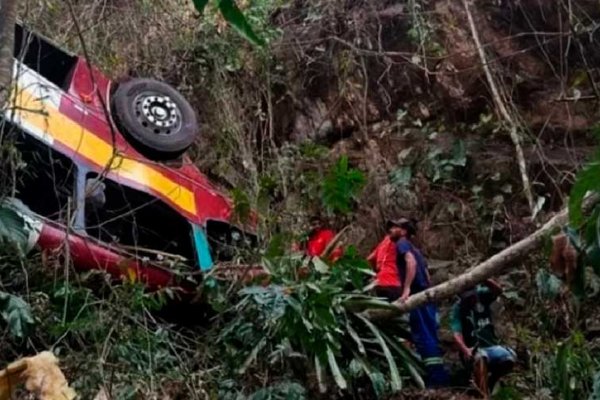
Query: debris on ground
(41, 376)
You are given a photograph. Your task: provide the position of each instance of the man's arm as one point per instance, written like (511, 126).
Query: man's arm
(372, 259)
(456, 327)
(411, 270)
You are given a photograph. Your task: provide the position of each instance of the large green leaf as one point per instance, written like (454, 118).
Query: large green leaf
(394, 374)
(12, 227)
(232, 14)
(587, 180)
(335, 370)
(17, 314)
(410, 360)
(200, 5)
(593, 258)
(356, 338)
(561, 371)
(320, 375)
(377, 378)
(252, 356)
(548, 285)
(459, 154)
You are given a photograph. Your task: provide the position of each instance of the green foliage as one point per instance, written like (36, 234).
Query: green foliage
(507, 393)
(280, 391)
(16, 312)
(311, 324)
(587, 180)
(401, 177)
(233, 15)
(200, 5)
(441, 166)
(285, 390)
(241, 205)
(13, 226)
(548, 285)
(341, 187)
(595, 395)
(585, 229)
(572, 370)
(422, 31)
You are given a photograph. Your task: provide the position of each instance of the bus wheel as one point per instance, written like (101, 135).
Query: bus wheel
(155, 117)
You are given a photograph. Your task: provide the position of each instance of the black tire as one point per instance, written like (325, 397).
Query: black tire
(155, 117)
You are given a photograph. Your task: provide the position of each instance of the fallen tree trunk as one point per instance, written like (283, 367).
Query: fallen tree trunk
(487, 269)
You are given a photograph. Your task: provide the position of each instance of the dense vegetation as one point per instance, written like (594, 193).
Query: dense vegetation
(361, 110)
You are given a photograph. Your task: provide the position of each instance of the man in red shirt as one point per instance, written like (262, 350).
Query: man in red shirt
(319, 238)
(383, 258)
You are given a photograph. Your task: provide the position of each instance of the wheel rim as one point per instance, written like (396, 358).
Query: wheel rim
(157, 113)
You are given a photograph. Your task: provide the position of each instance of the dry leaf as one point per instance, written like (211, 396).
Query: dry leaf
(10, 377)
(41, 376)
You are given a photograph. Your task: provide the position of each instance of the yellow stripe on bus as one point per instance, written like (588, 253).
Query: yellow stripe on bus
(46, 118)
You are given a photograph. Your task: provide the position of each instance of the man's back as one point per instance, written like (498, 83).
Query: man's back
(384, 258)
(421, 280)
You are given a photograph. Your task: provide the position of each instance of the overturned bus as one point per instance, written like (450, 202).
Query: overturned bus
(105, 176)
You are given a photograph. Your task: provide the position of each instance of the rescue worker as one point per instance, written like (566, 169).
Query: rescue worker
(383, 259)
(473, 330)
(414, 275)
(319, 237)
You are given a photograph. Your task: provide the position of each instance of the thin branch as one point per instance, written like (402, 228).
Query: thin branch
(503, 111)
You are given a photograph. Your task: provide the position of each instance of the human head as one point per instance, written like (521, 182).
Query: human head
(402, 227)
(393, 230)
(316, 223)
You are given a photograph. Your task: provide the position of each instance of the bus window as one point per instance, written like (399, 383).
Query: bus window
(135, 220)
(46, 181)
(42, 56)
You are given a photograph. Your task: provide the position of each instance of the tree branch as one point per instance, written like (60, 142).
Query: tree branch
(491, 267)
(487, 269)
(503, 111)
(8, 17)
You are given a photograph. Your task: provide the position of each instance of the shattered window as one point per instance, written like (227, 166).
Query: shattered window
(226, 241)
(42, 56)
(45, 181)
(135, 220)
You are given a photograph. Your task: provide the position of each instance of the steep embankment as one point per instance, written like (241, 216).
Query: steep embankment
(399, 87)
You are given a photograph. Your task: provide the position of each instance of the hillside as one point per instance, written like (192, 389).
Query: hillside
(442, 106)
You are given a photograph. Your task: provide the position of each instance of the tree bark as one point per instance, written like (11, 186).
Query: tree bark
(8, 18)
(487, 269)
